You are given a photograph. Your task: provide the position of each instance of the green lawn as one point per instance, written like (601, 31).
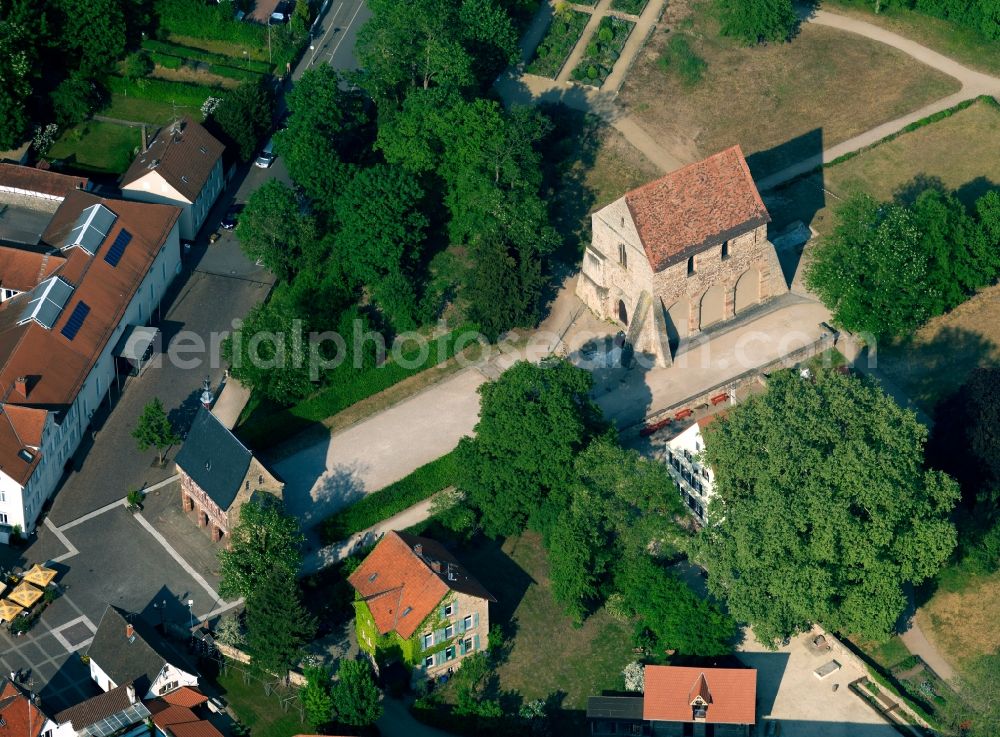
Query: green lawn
(261, 713)
(146, 111)
(548, 655)
(101, 148)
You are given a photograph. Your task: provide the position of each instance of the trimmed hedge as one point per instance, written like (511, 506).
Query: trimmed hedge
(189, 52)
(393, 499)
(161, 90)
(165, 60)
(197, 18)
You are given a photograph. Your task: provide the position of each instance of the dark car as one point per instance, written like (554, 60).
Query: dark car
(231, 216)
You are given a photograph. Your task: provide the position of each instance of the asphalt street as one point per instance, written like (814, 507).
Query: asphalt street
(334, 36)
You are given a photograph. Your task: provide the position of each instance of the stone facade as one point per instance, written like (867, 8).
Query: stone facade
(219, 522)
(469, 619)
(689, 289)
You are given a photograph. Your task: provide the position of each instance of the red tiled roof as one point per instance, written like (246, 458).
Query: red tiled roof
(165, 714)
(400, 587)
(707, 420)
(39, 180)
(670, 689)
(54, 366)
(184, 156)
(185, 696)
(23, 270)
(262, 10)
(200, 728)
(18, 714)
(701, 204)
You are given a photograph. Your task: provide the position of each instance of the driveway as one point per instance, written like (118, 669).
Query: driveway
(788, 690)
(326, 476)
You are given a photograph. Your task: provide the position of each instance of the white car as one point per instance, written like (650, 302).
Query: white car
(266, 157)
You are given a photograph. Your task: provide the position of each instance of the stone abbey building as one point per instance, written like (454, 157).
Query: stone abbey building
(681, 254)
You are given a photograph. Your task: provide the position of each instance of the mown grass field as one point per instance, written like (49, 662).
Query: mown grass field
(97, 147)
(261, 713)
(780, 102)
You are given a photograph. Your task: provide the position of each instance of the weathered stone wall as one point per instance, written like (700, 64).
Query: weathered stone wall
(604, 280)
(749, 251)
(258, 478)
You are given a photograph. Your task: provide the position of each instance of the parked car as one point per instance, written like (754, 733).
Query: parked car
(267, 156)
(231, 217)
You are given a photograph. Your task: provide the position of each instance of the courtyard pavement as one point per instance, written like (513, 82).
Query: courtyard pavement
(789, 691)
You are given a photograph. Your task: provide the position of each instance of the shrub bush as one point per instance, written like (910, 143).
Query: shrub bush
(393, 499)
(166, 61)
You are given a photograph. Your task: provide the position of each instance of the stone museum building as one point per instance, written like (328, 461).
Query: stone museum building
(681, 254)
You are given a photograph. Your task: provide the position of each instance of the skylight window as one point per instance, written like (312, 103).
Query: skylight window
(373, 577)
(47, 302)
(92, 226)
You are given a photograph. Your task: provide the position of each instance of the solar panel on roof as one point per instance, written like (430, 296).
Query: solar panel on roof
(75, 321)
(114, 254)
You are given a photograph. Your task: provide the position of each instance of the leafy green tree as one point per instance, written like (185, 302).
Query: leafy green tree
(137, 65)
(153, 430)
(823, 509)
(965, 441)
(415, 135)
(679, 618)
(73, 100)
(22, 25)
(757, 21)
(381, 238)
(273, 229)
(315, 696)
(94, 30)
(325, 125)
(871, 271)
(355, 695)
(278, 625)
(244, 117)
(581, 551)
(533, 420)
(269, 352)
(265, 540)
(988, 211)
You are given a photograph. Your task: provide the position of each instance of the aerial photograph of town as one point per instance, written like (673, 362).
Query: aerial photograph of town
(499, 368)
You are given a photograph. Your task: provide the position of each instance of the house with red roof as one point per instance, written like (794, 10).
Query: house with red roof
(21, 715)
(416, 603)
(681, 254)
(679, 701)
(61, 340)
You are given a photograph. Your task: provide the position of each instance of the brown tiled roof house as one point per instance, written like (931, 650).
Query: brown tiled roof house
(681, 254)
(182, 166)
(412, 590)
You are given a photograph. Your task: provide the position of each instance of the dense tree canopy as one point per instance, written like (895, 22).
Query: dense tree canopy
(93, 29)
(22, 24)
(888, 267)
(266, 540)
(823, 508)
(533, 421)
(273, 229)
(355, 696)
(757, 21)
(278, 626)
(244, 117)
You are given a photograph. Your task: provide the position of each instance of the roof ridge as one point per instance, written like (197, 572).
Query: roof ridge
(674, 172)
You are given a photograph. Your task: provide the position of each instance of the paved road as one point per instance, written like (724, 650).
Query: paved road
(335, 35)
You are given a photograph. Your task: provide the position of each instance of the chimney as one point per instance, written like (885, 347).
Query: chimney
(129, 631)
(21, 384)
(130, 692)
(418, 549)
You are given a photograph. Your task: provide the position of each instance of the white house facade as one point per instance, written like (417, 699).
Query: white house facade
(694, 478)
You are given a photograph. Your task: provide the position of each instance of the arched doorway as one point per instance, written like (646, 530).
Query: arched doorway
(622, 312)
(747, 290)
(678, 322)
(712, 306)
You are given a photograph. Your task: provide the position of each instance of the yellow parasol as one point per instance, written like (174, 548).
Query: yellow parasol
(9, 610)
(25, 594)
(40, 575)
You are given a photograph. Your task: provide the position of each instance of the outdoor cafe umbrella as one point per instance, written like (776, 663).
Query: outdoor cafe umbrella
(40, 575)
(25, 594)
(9, 610)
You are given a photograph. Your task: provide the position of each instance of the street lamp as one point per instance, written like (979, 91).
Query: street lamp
(191, 612)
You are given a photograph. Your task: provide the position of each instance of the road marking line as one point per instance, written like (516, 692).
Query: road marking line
(70, 548)
(114, 505)
(319, 46)
(177, 557)
(57, 633)
(343, 32)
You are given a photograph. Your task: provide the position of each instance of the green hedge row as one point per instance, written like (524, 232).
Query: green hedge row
(201, 20)
(165, 60)
(161, 90)
(229, 72)
(345, 386)
(393, 499)
(188, 52)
